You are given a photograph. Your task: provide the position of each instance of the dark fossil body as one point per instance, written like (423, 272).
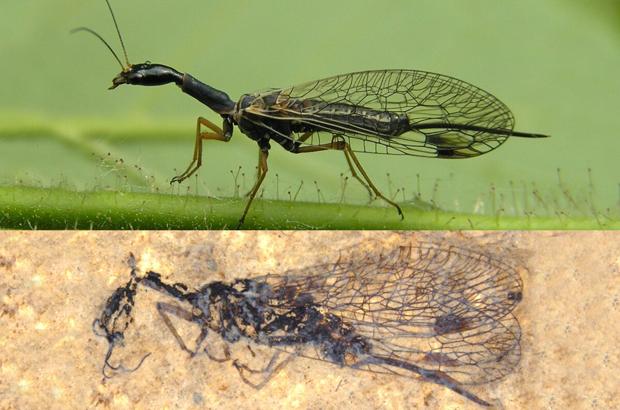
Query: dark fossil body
(441, 312)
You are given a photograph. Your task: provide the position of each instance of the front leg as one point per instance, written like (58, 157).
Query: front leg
(216, 134)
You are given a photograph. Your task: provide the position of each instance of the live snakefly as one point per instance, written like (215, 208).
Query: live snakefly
(439, 313)
(391, 112)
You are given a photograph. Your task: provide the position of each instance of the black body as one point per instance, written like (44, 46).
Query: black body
(449, 125)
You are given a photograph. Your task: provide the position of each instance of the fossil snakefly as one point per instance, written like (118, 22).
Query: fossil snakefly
(431, 311)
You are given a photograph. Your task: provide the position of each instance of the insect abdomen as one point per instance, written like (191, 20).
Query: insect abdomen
(350, 118)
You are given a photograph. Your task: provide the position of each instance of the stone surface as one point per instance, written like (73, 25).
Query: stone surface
(54, 284)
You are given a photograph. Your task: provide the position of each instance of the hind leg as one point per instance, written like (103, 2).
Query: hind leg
(338, 143)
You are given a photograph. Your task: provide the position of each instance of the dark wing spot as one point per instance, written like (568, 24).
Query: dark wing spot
(449, 323)
(445, 153)
(516, 296)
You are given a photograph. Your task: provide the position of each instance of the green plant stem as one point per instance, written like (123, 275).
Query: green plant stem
(55, 208)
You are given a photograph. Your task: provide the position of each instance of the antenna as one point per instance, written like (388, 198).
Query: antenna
(119, 32)
(94, 33)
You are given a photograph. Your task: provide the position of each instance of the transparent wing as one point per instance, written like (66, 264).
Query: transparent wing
(404, 112)
(441, 307)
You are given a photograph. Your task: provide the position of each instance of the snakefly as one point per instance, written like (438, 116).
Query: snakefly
(438, 312)
(393, 112)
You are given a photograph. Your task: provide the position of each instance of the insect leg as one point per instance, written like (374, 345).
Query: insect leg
(262, 171)
(354, 174)
(258, 168)
(164, 309)
(218, 359)
(120, 367)
(324, 147)
(272, 368)
(349, 152)
(217, 134)
(332, 145)
(305, 136)
(339, 144)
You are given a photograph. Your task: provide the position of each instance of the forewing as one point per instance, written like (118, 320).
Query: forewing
(442, 307)
(360, 106)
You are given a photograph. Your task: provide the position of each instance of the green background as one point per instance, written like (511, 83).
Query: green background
(554, 63)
